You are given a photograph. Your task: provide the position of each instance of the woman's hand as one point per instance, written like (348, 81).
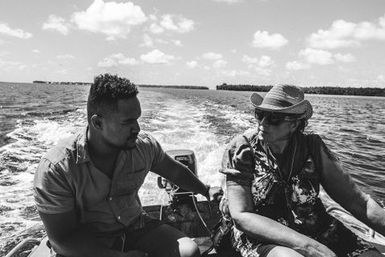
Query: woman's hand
(315, 249)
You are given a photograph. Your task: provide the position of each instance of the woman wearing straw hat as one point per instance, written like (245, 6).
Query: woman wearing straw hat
(273, 177)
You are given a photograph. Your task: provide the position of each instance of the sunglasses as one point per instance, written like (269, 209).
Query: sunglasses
(273, 118)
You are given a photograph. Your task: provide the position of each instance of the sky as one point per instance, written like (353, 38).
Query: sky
(195, 42)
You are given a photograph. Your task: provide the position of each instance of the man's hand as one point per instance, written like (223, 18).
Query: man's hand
(214, 194)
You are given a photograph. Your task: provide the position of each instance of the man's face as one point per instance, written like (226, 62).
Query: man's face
(120, 127)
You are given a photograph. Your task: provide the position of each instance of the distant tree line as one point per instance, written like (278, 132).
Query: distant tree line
(258, 88)
(87, 83)
(60, 82)
(363, 91)
(175, 86)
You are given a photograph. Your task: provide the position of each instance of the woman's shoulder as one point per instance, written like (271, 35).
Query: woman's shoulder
(244, 139)
(315, 145)
(311, 139)
(238, 156)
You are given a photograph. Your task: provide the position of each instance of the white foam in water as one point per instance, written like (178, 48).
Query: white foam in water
(184, 128)
(19, 161)
(181, 126)
(237, 118)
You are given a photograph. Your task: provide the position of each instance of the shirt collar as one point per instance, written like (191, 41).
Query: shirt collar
(82, 154)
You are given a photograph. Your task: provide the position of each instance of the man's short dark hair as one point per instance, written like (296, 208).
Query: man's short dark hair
(105, 92)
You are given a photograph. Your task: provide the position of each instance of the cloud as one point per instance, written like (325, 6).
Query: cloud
(344, 57)
(56, 23)
(65, 56)
(147, 41)
(36, 51)
(323, 57)
(259, 65)
(317, 56)
(9, 66)
(249, 60)
(294, 65)
(183, 25)
(156, 29)
(347, 34)
(310, 56)
(19, 33)
(262, 71)
(157, 57)
(175, 23)
(116, 60)
(262, 39)
(235, 73)
(112, 19)
(367, 31)
(177, 42)
(264, 61)
(219, 64)
(212, 56)
(192, 64)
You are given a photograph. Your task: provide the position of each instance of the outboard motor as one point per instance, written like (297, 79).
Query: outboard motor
(179, 195)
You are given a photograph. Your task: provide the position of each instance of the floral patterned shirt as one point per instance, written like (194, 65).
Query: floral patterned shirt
(285, 190)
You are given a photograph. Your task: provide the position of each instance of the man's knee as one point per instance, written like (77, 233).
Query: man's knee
(281, 251)
(188, 248)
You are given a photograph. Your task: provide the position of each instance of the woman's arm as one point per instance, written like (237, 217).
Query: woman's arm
(266, 229)
(341, 188)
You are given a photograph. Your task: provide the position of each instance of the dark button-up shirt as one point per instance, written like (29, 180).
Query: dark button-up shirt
(67, 179)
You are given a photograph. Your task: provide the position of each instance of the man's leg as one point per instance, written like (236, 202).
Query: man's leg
(166, 241)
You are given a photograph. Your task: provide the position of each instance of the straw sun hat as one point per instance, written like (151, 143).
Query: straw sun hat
(285, 99)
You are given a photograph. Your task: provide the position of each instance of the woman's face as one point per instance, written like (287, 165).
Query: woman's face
(275, 127)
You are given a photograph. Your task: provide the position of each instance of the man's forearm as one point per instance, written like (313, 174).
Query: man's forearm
(188, 181)
(180, 175)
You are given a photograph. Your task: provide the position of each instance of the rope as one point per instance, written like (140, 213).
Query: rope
(199, 214)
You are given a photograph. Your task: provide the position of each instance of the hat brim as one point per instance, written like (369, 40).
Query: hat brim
(304, 107)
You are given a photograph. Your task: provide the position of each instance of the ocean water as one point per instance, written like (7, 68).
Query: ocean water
(34, 117)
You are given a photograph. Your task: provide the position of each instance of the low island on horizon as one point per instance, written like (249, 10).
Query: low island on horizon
(325, 90)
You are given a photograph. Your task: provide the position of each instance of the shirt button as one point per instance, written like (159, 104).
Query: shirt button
(110, 198)
(118, 217)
